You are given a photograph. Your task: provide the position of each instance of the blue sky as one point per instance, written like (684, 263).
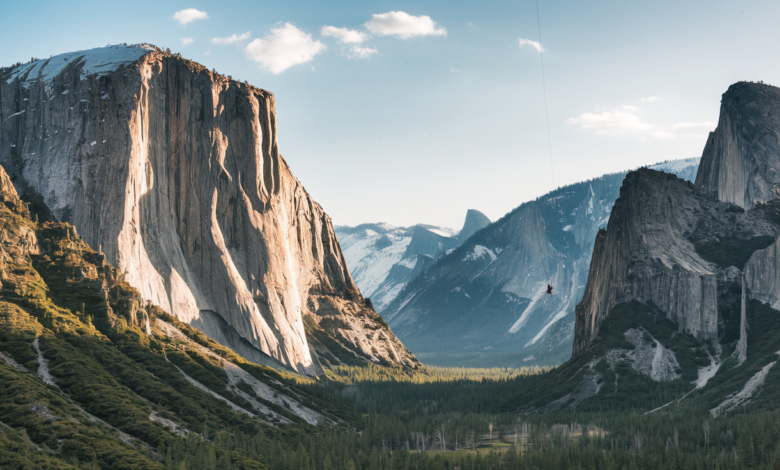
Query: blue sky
(424, 118)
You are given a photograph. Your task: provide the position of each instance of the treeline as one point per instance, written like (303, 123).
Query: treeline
(628, 441)
(428, 374)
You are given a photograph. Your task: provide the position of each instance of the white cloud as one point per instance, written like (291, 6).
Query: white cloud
(357, 52)
(232, 39)
(625, 120)
(528, 42)
(185, 41)
(617, 121)
(403, 25)
(344, 35)
(189, 15)
(650, 98)
(285, 47)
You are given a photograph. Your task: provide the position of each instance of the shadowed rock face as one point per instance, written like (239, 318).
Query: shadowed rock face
(671, 246)
(484, 303)
(175, 172)
(741, 161)
(683, 247)
(475, 221)
(644, 255)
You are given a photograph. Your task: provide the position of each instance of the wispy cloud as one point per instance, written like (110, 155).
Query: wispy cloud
(232, 39)
(650, 98)
(615, 121)
(189, 15)
(285, 47)
(531, 43)
(626, 120)
(357, 52)
(344, 35)
(403, 25)
(186, 41)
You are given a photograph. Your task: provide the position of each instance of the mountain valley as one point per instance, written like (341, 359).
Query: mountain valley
(171, 297)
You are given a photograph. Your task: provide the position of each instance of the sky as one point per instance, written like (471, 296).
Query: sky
(414, 112)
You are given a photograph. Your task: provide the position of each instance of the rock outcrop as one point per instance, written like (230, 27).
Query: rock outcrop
(741, 160)
(644, 255)
(686, 249)
(175, 173)
(475, 221)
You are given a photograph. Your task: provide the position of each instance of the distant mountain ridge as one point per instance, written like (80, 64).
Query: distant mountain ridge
(383, 258)
(483, 303)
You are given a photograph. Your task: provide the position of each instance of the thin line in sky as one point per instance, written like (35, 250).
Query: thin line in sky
(544, 90)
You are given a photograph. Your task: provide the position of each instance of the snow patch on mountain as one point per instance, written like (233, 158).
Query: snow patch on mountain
(370, 255)
(677, 165)
(480, 252)
(93, 61)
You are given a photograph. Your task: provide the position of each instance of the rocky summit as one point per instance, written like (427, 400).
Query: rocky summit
(174, 173)
(741, 160)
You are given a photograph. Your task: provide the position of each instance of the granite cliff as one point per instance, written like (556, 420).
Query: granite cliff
(683, 247)
(741, 160)
(174, 173)
(671, 246)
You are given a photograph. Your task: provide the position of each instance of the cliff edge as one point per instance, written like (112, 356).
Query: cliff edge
(174, 172)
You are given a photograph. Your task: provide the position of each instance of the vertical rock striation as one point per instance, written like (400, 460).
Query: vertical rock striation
(176, 173)
(644, 254)
(655, 249)
(741, 160)
(475, 221)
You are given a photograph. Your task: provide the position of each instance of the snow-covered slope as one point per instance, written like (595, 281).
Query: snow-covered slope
(383, 258)
(371, 251)
(96, 61)
(483, 304)
(684, 168)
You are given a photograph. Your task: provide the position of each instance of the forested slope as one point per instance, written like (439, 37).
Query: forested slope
(92, 375)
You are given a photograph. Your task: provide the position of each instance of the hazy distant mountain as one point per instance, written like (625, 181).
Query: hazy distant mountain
(383, 258)
(483, 303)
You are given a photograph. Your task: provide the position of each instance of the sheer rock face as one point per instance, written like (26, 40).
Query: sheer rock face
(175, 173)
(741, 160)
(644, 255)
(762, 275)
(475, 221)
(647, 251)
(667, 244)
